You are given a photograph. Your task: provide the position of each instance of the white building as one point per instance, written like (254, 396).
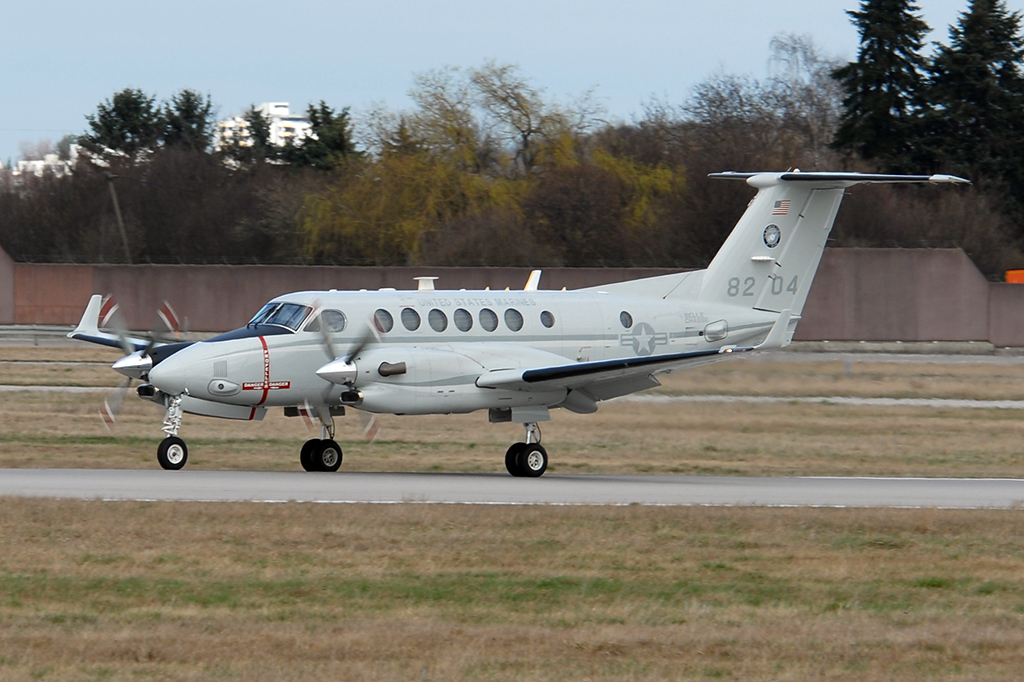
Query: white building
(50, 164)
(284, 126)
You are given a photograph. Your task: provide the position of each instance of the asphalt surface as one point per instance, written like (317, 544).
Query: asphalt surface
(393, 488)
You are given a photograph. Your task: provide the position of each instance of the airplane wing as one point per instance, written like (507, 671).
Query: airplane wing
(590, 382)
(579, 374)
(88, 328)
(101, 311)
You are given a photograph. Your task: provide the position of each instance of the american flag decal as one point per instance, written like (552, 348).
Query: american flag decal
(781, 207)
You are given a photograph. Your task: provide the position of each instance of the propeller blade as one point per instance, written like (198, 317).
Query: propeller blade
(306, 412)
(111, 407)
(370, 335)
(371, 428)
(325, 338)
(117, 325)
(169, 319)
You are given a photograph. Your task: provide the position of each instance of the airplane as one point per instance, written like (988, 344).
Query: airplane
(516, 354)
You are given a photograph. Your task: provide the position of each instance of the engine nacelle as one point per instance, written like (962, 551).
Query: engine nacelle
(425, 381)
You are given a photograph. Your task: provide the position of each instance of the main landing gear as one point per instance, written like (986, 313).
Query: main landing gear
(529, 459)
(324, 453)
(172, 453)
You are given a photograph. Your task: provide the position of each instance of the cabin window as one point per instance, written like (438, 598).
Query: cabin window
(716, 331)
(410, 319)
(488, 319)
(383, 321)
(438, 320)
(463, 320)
(547, 319)
(626, 319)
(513, 319)
(333, 321)
(288, 315)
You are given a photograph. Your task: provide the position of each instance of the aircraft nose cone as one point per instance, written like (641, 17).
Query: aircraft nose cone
(171, 375)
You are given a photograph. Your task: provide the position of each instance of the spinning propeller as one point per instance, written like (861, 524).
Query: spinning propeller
(342, 365)
(135, 363)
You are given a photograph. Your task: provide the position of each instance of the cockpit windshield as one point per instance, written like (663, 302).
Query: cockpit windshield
(288, 315)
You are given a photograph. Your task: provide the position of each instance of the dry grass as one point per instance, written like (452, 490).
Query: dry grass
(40, 429)
(777, 375)
(172, 591)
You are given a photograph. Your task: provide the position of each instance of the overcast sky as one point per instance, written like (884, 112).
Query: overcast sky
(63, 57)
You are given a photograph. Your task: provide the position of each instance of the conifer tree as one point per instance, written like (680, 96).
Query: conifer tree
(882, 87)
(976, 91)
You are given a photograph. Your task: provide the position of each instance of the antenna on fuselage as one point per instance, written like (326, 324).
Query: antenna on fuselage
(425, 283)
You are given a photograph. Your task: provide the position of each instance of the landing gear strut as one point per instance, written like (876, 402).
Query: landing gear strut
(528, 459)
(322, 454)
(173, 452)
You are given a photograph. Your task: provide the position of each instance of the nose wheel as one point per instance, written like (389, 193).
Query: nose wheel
(172, 453)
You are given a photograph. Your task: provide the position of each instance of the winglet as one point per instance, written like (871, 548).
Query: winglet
(777, 336)
(534, 282)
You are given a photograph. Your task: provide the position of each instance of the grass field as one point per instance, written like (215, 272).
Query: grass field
(174, 591)
(789, 438)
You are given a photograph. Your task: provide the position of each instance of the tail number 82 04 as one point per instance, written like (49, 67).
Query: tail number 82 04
(746, 287)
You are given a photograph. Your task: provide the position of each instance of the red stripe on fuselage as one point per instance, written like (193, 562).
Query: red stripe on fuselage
(266, 372)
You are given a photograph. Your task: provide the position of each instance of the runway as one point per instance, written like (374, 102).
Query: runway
(397, 488)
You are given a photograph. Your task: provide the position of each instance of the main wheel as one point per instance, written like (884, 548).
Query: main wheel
(532, 461)
(326, 456)
(510, 458)
(172, 453)
(305, 454)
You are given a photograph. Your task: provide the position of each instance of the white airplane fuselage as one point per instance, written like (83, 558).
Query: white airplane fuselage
(277, 368)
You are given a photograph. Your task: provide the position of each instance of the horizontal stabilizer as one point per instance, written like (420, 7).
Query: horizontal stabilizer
(845, 179)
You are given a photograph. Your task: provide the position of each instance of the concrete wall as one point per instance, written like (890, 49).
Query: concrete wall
(898, 295)
(51, 294)
(1006, 314)
(857, 295)
(6, 289)
(221, 297)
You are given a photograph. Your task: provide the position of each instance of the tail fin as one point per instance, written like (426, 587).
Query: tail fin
(769, 259)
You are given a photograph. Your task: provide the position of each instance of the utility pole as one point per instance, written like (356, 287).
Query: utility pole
(117, 213)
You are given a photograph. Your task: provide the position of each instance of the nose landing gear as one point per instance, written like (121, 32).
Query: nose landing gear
(529, 459)
(172, 452)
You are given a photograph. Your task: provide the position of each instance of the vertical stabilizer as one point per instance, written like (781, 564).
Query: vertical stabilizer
(769, 260)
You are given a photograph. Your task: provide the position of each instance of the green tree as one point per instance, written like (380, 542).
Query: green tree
(977, 96)
(330, 143)
(253, 146)
(188, 121)
(882, 87)
(127, 125)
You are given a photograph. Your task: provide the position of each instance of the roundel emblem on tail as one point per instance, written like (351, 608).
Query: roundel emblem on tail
(772, 236)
